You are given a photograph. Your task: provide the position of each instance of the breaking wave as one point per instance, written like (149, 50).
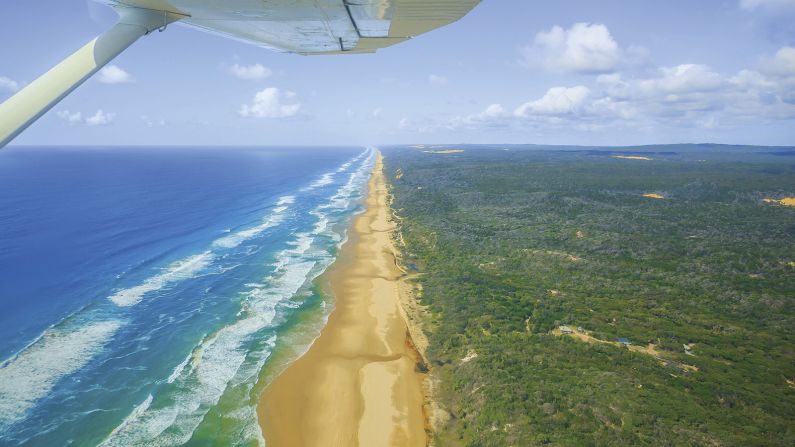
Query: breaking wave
(60, 351)
(230, 356)
(235, 354)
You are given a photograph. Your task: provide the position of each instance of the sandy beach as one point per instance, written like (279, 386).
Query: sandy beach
(358, 384)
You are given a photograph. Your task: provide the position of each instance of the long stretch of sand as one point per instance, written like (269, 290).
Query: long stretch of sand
(357, 385)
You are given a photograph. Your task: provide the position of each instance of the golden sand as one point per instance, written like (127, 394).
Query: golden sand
(653, 196)
(632, 157)
(446, 151)
(358, 384)
(786, 201)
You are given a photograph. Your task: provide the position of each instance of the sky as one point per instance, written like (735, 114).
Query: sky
(608, 72)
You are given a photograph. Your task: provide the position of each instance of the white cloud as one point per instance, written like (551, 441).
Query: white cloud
(270, 103)
(100, 118)
(693, 83)
(583, 48)
(709, 122)
(112, 74)
(377, 112)
(437, 80)
(70, 117)
(638, 97)
(493, 115)
(770, 90)
(750, 79)
(683, 78)
(152, 122)
(608, 107)
(8, 84)
(557, 101)
(670, 93)
(677, 97)
(493, 111)
(783, 64)
(250, 72)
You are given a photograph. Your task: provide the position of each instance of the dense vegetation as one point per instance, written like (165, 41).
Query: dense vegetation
(514, 242)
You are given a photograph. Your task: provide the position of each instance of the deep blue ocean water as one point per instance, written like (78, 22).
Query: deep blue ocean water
(144, 289)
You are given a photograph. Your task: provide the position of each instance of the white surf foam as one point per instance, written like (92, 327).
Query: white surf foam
(223, 360)
(328, 178)
(31, 375)
(191, 266)
(275, 218)
(214, 364)
(220, 360)
(325, 179)
(351, 190)
(344, 167)
(235, 239)
(322, 224)
(179, 368)
(285, 200)
(139, 410)
(177, 271)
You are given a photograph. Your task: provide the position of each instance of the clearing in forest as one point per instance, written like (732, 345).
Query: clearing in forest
(650, 349)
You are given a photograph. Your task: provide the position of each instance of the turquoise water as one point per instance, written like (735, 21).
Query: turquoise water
(143, 290)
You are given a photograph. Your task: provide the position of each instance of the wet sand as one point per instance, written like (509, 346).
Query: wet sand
(358, 384)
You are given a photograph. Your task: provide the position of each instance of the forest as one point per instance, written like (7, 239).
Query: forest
(604, 296)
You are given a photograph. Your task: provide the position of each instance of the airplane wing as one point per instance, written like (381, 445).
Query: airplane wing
(314, 26)
(297, 26)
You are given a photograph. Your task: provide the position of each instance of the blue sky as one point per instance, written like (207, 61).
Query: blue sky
(513, 71)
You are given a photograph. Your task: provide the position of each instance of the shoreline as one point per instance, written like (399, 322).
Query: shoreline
(361, 382)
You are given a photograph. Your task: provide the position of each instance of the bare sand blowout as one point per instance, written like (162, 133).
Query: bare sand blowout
(358, 384)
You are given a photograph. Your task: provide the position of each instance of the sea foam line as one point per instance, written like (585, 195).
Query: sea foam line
(275, 218)
(189, 267)
(193, 265)
(213, 364)
(177, 271)
(348, 164)
(32, 374)
(356, 181)
(325, 179)
(219, 361)
(328, 178)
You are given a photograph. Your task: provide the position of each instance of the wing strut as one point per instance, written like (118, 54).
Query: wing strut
(26, 106)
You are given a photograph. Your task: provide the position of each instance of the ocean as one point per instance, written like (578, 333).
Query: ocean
(145, 291)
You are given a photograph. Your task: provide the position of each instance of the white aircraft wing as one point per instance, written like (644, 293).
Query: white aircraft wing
(296, 26)
(314, 26)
